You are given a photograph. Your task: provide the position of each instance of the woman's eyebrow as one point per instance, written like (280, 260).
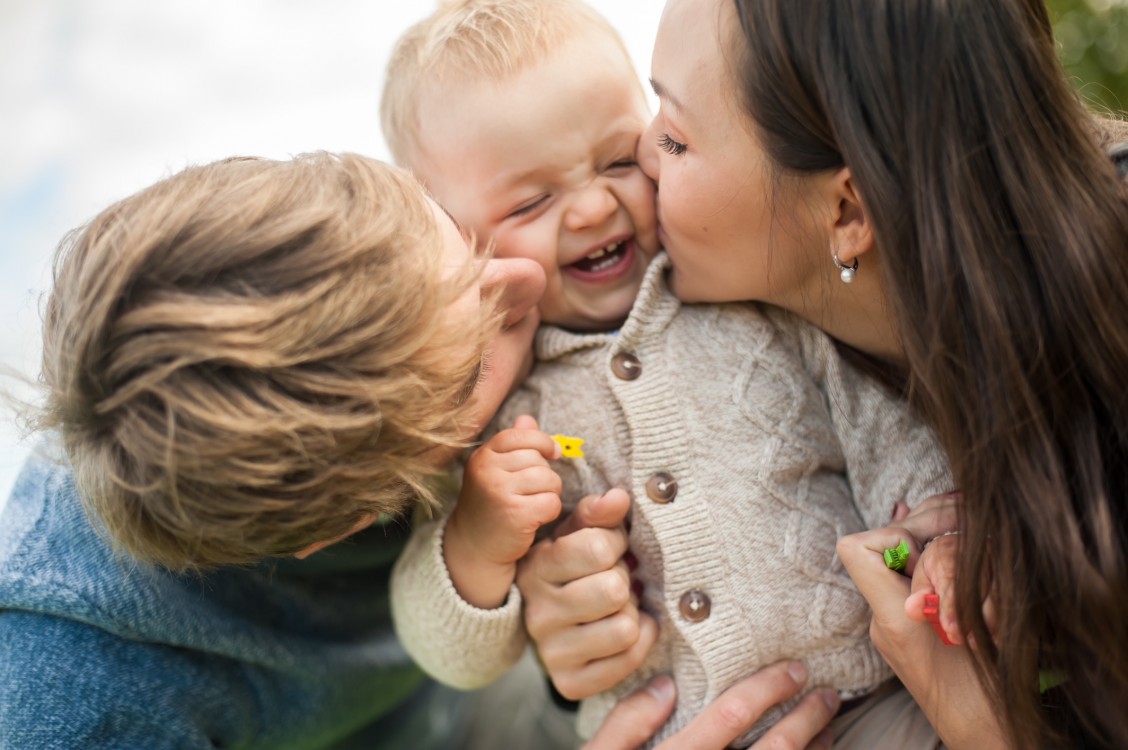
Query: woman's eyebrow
(664, 94)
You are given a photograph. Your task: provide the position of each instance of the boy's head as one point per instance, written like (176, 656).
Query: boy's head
(252, 356)
(522, 117)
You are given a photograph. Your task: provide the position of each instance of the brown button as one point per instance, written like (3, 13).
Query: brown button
(626, 366)
(662, 488)
(695, 605)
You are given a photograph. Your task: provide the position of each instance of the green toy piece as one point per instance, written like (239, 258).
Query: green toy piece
(897, 557)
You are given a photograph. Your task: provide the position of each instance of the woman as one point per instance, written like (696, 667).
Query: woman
(932, 154)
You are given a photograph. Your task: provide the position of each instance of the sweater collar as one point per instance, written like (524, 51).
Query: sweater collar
(653, 309)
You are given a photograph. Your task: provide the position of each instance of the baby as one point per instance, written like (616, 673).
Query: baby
(748, 445)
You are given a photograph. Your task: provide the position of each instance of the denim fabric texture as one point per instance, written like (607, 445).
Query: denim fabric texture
(97, 651)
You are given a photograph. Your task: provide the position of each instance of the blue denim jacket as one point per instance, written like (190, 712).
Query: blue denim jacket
(98, 652)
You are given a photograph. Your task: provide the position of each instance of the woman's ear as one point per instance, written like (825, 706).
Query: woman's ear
(850, 232)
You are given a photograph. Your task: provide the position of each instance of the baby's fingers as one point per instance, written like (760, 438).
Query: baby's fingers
(606, 511)
(535, 480)
(539, 509)
(514, 439)
(597, 656)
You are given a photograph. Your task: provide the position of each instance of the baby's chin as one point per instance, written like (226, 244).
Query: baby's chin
(590, 321)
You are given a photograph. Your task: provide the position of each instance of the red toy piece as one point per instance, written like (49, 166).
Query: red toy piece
(932, 612)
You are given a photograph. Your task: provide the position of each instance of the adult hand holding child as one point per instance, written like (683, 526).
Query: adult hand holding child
(641, 714)
(940, 677)
(590, 635)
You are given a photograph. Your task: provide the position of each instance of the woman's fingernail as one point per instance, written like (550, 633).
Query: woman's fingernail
(631, 561)
(798, 673)
(662, 688)
(832, 700)
(636, 588)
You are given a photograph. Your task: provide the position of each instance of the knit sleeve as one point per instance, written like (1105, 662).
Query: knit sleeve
(890, 454)
(455, 642)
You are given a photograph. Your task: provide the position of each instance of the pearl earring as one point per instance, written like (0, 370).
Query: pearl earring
(848, 272)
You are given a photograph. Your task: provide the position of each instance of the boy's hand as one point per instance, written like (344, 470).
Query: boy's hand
(579, 607)
(508, 492)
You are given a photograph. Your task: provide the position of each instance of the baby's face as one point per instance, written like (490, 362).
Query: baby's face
(544, 165)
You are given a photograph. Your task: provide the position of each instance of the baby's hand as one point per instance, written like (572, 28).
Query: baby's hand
(933, 587)
(508, 492)
(579, 607)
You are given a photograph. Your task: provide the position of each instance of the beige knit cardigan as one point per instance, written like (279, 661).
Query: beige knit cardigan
(777, 447)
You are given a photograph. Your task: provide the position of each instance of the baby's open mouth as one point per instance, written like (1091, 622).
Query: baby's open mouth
(603, 259)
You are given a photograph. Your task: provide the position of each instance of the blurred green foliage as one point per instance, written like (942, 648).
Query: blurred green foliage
(1092, 38)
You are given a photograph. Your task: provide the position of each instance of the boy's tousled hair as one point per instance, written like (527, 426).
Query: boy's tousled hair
(471, 40)
(251, 356)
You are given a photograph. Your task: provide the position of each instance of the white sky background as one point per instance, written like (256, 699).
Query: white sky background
(99, 98)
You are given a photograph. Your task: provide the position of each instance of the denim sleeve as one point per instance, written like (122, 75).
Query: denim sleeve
(66, 685)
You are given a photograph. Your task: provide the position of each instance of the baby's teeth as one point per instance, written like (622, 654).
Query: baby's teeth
(604, 250)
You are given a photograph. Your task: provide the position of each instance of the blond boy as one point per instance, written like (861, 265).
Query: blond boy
(244, 363)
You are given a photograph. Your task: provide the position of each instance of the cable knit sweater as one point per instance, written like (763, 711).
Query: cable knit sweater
(749, 447)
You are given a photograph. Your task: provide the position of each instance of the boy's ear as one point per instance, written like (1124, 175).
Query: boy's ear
(851, 235)
(361, 525)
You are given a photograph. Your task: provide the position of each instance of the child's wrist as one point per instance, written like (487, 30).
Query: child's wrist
(481, 582)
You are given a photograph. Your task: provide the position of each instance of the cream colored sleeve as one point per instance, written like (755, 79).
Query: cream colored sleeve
(890, 454)
(453, 641)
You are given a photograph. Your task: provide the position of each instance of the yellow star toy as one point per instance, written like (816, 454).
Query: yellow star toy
(570, 447)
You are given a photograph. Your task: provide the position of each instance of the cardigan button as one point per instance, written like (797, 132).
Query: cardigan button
(695, 605)
(626, 366)
(662, 488)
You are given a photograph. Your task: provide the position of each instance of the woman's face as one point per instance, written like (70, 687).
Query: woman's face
(716, 193)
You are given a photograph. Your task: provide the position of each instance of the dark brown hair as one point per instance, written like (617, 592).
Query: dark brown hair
(252, 356)
(1004, 237)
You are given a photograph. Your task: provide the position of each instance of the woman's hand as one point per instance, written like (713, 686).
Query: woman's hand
(579, 608)
(941, 678)
(637, 717)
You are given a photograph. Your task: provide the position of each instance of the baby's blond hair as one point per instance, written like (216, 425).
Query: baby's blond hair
(465, 41)
(251, 356)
